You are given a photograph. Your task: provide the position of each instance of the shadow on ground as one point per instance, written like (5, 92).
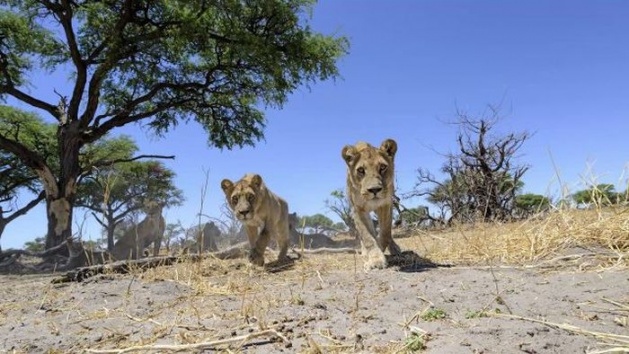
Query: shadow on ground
(411, 262)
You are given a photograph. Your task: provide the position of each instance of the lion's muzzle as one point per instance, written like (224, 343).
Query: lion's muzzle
(372, 189)
(244, 214)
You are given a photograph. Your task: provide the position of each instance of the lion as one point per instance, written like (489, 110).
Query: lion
(263, 214)
(370, 188)
(80, 256)
(150, 230)
(206, 238)
(315, 241)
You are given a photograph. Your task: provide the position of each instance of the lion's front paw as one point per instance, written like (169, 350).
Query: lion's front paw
(375, 259)
(256, 258)
(394, 248)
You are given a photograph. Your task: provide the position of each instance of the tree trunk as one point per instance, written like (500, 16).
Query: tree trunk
(3, 224)
(59, 210)
(61, 192)
(111, 229)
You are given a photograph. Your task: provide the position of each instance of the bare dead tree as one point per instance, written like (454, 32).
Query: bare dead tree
(482, 178)
(339, 204)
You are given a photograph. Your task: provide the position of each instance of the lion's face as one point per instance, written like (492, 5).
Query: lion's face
(242, 196)
(211, 229)
(370, 169)
(152, 208)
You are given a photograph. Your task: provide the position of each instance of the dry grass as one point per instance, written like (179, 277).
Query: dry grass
(557, 234)
(235, 294)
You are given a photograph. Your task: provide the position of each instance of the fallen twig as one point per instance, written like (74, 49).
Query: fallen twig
(332, 250)
(123, 267)
(195, 346)
(617, 338)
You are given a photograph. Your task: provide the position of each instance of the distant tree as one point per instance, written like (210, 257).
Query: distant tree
(158, 62)
(172, 233)
(317, 223)
(603, 194)
(414, 216)
(340, 226)
(36, 245)
(114, 192)
(91, 244)
(339, 204)
(482, 180)
(529, 204)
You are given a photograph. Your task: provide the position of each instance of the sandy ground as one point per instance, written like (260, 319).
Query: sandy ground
(322, 304)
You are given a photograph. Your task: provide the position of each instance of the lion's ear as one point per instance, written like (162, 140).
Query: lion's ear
(349, 154)
(389, 147)
(256, 181)
(227, 186)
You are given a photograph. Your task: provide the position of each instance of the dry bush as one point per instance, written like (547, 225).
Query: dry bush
(557, 233)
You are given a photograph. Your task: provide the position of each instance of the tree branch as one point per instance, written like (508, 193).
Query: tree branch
(102, 223)
(65, 17)
(26, 156)
(115, 53)
(115, 161)
(23, 210)
(32, 101)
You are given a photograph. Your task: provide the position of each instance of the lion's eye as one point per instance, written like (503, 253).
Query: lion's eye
(360, 171)
(383, 168)
(234, 200)
(250, 198)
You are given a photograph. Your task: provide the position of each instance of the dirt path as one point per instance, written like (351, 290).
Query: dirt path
(324, 303)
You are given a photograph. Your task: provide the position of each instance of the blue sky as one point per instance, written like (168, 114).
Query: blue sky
(560, 69)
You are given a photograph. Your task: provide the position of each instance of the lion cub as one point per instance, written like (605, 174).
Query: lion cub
(370, 188)
(263, 214)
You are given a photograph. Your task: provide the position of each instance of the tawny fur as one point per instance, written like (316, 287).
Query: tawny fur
(316, 241)
(150, 230)
(206, 238)
(370, 188)
(264, 215)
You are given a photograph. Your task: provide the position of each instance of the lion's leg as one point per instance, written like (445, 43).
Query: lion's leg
(366, 233)
(252, 235)
(137, 248)
(156, 247)
(256, 255)
(260, 247)
(385, 219)
(157, 243)
(283, 241)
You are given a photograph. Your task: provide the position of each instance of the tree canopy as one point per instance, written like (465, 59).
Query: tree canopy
(530, 203)
(114, 192)
(162, 62)
(317, 223)
(16, 180)
(600, 194)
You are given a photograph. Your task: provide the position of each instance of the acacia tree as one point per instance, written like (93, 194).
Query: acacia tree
(529, 204)
(171, 233)
(483, 178)
(114, 192)
(318, 223)
(161, 62)
(16, 179)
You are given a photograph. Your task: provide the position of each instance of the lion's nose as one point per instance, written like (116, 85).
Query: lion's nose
(243, 212)
(374, 190)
